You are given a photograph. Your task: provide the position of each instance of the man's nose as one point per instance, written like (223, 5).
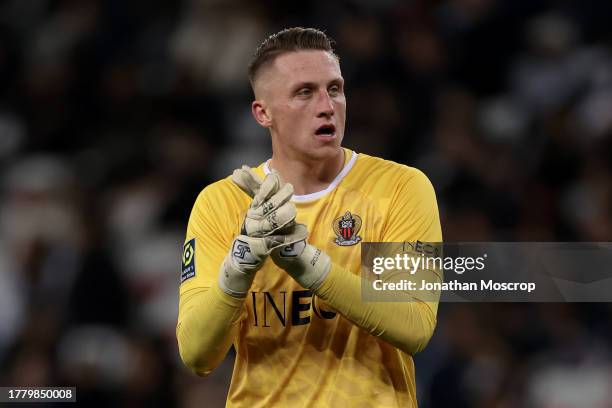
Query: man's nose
(325, 105)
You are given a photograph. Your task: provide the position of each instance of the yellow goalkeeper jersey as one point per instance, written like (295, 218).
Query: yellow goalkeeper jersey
(292, 349)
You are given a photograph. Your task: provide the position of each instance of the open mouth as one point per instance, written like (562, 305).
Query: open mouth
(326, 130)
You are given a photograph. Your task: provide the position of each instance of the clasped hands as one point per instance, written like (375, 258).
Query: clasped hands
(269, 229)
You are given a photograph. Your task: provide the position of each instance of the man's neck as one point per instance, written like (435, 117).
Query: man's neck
(308, 176)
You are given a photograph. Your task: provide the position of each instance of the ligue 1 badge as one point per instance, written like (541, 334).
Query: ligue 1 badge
(188, 265)
(346, 228)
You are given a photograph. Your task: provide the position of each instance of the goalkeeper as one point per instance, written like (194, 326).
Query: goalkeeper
(272, 255)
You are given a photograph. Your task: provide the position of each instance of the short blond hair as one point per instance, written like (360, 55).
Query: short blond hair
(288, 40)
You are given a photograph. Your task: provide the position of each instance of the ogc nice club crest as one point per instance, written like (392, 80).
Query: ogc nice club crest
(346, 228)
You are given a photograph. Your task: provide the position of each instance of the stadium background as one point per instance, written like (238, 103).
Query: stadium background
(115, 114)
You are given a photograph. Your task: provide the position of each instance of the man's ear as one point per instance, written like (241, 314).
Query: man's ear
(261, 114)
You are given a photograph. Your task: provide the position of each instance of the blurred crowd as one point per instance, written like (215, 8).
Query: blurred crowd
(114, 115)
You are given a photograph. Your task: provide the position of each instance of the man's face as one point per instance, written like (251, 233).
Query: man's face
(301, 96)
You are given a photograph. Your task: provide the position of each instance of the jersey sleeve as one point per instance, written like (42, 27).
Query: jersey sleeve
(414, 220)
(208, 318)
(210, 232)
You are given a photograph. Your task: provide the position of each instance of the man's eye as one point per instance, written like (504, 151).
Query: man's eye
(334, 89)
(304, 92)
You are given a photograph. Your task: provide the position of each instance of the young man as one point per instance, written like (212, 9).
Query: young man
(272, 255)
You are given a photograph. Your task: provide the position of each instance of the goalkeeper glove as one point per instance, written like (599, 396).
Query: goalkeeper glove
(305, 263)
(245, 258)
(271, 210)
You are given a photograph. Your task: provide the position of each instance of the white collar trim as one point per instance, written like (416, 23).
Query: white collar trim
(314, 196)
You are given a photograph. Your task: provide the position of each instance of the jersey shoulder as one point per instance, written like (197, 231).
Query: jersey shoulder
(223, 200)
(226, 192)
(374, 175)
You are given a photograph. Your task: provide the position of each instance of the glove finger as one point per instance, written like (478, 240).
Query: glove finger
(275, 202)
(279, 219)
(257, 225)
(299, 232)
(271, 184)
(247, 180)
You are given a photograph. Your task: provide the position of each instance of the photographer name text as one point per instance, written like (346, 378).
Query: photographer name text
(453, 285)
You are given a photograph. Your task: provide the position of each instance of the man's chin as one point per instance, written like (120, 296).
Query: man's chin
(327, 151)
